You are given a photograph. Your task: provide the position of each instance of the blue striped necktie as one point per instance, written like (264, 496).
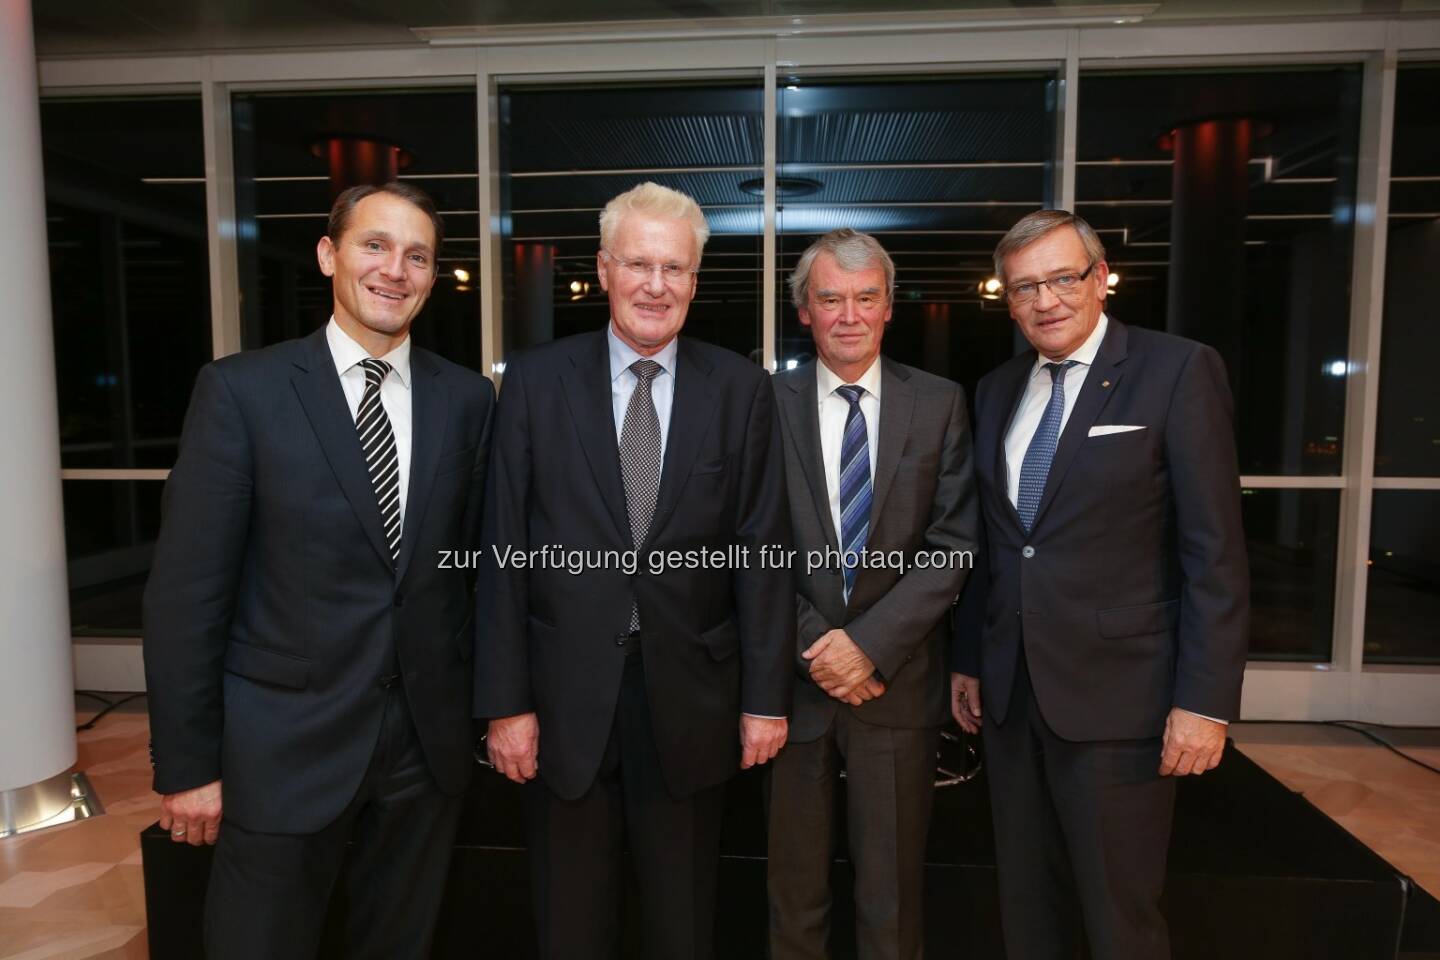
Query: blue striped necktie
(1035, 468)
(855, 490)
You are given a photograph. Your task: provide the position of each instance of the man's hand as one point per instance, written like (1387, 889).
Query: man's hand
(1192, 744)
(760, 739)
(965, 701)
(513, 744)
(192, 816)
(840, 667)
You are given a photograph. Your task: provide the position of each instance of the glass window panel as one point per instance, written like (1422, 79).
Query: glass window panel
(1408, 436)
(110, 530)
(295, 152)
(1290, 536)
(565, 151)
(1402, 601)
(937, 169)
(129, 272)
(1226, 200)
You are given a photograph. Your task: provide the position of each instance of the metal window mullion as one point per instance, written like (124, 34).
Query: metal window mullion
(487, 130)
(220, 214)
(1067, 119)
(769, 348)
(1362, 394)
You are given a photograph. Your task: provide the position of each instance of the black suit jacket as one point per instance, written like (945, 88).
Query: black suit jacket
(273, 608)
(924, 502)
(1131, 593)
(715, 641)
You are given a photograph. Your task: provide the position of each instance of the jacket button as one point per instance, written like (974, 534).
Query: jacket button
(1027, 552)
(621, 639)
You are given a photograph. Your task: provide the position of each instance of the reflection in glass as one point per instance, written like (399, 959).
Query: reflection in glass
(1402, 606)
(129, 275)
(1290, 537)
(1226, 200)
(937, 168)
(1408, 439)
(110, 530)
(295, 152)
(565, 151)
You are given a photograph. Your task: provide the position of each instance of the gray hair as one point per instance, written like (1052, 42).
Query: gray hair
(853, 251)
(1033, 226)
(655, 201)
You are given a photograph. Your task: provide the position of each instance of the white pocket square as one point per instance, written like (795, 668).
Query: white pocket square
(1110, 428)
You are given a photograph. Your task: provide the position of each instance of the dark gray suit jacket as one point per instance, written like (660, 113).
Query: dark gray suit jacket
(924, 502)
(1131, 593)
(713, 642)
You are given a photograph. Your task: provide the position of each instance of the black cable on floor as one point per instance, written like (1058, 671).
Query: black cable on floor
(1347, 725)
(90, 724)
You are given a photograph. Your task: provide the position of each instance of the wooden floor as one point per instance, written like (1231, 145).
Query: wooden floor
(75, 891)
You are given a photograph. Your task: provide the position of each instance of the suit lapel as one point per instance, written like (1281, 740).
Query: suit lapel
(318, 386)
(1100, 385)
(801, 403)
(429, 410)
(897, 403)
(587, 393)
(690, 414)
(1010, 389)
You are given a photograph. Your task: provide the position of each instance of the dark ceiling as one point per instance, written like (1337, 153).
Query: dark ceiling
(110, 27)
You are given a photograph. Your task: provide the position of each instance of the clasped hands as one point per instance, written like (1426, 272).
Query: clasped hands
(840, 668)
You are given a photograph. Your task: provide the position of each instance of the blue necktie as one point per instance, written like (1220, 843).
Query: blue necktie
(1036, 466)
(855, 491)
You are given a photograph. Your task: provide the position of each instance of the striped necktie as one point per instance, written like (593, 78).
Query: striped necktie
(855, 489)
(1035, 468)
(377, 440)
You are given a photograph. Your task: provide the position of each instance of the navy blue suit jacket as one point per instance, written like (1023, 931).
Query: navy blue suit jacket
(1131, 592)
(273, 608)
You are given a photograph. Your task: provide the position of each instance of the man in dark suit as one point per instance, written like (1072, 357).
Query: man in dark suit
(633, 679)
(305, 643)
(1109, 632)
(877, 458)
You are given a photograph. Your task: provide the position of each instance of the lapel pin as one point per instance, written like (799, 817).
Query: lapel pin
(1104, 383)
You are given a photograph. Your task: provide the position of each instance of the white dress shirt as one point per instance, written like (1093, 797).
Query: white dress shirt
(834, 410)
(394, 392)
(1037, 397)
(623, 381)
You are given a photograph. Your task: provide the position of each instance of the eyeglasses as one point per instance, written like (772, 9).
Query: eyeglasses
(1066, 287)
(864, 302)
(674, 274)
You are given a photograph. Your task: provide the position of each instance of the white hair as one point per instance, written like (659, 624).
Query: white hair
(654, 200)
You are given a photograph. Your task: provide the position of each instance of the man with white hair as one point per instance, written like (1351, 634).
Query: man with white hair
(626, 693)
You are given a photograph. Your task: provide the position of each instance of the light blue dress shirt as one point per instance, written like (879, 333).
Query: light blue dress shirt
(623, 380)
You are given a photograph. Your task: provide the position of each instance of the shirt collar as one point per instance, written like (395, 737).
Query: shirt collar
(1084, 354)
(826, 381)
(622, 355)
(347, 353)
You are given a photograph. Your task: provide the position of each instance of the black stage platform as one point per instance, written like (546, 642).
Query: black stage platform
(1255, 871)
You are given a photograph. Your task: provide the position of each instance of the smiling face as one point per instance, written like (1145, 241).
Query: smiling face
(382, 268)
(846, 313)
(648, 312)
(1056, 326)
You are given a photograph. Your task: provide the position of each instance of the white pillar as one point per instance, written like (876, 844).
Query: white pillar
(37, 711)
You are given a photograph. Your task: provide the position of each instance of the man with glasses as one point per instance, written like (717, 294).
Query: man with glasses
(878, 464)
(1108, 633)
(626, 692)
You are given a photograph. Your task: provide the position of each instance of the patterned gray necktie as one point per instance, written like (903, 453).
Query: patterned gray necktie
(640, 459)
(377, 439)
